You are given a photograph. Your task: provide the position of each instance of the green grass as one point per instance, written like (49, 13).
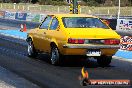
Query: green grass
(125, 11)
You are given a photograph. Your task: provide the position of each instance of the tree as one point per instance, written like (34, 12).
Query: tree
(100, 1)
(34, 1)
(130, 2)
(16, 1)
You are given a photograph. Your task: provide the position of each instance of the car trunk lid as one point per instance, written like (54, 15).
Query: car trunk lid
(91, 33)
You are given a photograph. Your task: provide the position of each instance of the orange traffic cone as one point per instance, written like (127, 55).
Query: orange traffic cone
(21, 26)
(24, 28)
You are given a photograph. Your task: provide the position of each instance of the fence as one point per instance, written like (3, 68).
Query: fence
(112, 11)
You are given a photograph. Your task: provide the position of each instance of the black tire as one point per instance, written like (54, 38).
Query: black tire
(55, 56)
(104, 60)
(31, 50)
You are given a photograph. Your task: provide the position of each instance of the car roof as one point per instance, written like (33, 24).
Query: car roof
(73, 15)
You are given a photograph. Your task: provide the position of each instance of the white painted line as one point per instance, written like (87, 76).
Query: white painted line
(123, 50)
(122, 59)
(18, 37)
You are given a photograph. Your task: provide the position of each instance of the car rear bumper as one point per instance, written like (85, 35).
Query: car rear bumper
(92, 46)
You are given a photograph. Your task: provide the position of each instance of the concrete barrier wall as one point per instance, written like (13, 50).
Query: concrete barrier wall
(17, 23)
(25, 16)
(15, 19)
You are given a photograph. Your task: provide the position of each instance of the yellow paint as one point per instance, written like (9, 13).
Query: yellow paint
(60, 36)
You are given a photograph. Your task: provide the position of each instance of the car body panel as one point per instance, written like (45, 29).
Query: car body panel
(79, 51)
(91, 33)
(42, 38)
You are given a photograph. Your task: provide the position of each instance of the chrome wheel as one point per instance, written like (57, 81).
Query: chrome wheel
(31, 50)
(54, 56)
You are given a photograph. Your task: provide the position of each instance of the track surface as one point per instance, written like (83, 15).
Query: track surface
(13, 56)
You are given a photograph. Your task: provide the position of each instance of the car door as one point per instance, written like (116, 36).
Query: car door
(42, 30)
(54, 34)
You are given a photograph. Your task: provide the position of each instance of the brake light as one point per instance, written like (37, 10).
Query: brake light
(111, 42)
(76, 41)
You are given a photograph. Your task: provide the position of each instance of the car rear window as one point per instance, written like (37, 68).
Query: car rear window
(83, 22)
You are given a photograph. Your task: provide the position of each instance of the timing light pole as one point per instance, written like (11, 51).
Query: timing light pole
(119, 9)
(74, 7)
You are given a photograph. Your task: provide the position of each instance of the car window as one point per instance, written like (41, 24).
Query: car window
(83, 22)
(54, 24)
(46, 23)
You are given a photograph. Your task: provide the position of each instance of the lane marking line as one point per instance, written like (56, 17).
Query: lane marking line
(122, 59)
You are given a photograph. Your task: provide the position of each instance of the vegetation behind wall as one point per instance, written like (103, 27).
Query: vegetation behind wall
(64, 2)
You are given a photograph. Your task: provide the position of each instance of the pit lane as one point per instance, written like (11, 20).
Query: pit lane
(13, 56)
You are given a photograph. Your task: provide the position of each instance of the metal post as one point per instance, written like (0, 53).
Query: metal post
(14, 5)
(108, 12)
(23, 7)
(18, 7)
(40, 8)
(1, 5)
(131, 12)
(58, 9)
(28, 8)
(75, 4)
(119, 10)
(80, 10)
(65, 9)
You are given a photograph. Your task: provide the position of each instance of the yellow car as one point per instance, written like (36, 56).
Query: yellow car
(73, 34)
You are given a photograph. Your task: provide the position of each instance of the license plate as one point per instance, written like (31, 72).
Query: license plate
(93, 53)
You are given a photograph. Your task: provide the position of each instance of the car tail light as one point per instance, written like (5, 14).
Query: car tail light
(76, 41)
(111, 42)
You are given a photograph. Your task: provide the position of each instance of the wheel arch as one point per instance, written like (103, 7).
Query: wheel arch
(29, 38)
(53, 44)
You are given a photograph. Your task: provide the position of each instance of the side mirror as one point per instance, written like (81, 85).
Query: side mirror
(106, 22)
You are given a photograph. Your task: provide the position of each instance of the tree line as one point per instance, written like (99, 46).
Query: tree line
(108, 2)
(83, 2)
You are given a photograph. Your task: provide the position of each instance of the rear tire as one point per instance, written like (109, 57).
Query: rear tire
(55, 56)
(31, 50)
(104, 60)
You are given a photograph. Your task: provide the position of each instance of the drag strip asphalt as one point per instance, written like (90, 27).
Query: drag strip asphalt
(13, 56)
